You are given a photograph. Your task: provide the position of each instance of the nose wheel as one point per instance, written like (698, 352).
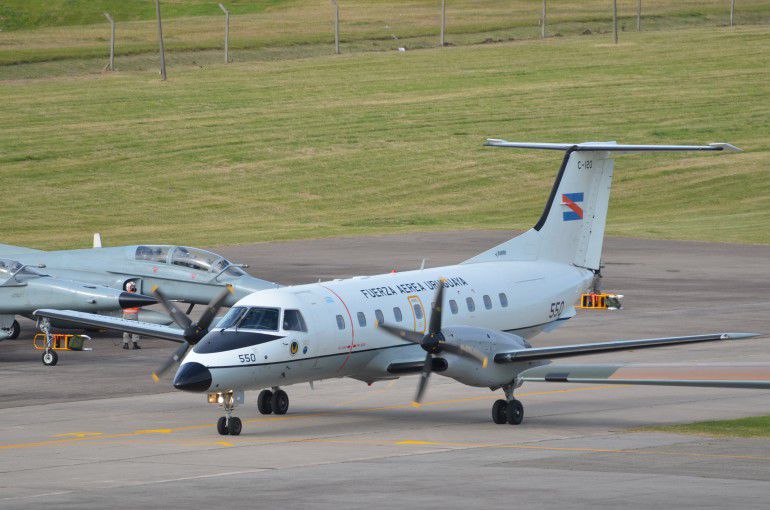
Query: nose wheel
(509, 411)
(229, 425)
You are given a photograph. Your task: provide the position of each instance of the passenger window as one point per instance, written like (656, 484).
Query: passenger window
(260, 318)
(503, 300)
(378, 315)
(418, 311)
(397, 314)
(471, 304)
(340, 322)
(453, 306)
(361, 319)
(487, 302)
(293, 321)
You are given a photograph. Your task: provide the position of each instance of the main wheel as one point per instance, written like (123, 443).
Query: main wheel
(280, 402)
(515, 412)
(50, 358)
(222, 426)
(15, 330)
(499, 412)
(234, 427)
(264, 402)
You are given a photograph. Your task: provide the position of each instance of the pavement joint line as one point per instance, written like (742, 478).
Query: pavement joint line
(137, 433)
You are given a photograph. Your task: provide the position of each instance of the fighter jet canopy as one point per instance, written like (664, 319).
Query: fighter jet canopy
(193, 258)
(10, 268)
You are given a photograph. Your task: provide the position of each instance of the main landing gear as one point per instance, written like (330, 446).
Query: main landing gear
(276, 401)
(509, 410)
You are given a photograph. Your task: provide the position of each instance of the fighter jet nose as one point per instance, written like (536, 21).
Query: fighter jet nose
(192, 377)
(133, 300)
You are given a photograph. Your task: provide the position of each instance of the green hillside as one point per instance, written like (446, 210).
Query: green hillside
(387, 142)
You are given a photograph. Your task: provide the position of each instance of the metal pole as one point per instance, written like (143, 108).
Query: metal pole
(227, 33)
(638, 15)
(615, 20)
(443, 20)
(160, 37)
(112, 41)
(732, 11)
(542, 22)
(336, 27)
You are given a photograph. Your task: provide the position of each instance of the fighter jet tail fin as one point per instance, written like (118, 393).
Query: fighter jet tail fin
(571, 228)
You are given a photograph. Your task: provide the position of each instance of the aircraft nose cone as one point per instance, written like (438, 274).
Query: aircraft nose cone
(134, 300)
(192, 377)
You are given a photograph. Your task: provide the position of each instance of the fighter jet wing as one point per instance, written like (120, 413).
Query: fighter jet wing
(9, 250)
(115, 323)
(564, 351)
(721, 375)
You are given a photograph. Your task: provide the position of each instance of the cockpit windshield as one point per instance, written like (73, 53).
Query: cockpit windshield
(193, 258)
(9, 268)
(240, 317)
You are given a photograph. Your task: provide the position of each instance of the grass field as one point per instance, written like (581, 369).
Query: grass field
(755, 426)
(386, 142)
(304, 27)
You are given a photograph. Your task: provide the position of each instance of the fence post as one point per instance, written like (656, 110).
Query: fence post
(336, 27)
(732, 11)
(443, 21)
(638, 15)
(227, 33)
(615, 21)
(160, 37)
(112, 41)
(542, 21)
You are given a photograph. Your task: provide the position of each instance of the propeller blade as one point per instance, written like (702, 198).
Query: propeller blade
(213, 307)
(435, 309)
(466, 351)
(177, 315)
(175, 358)
(403, 334)
(424, 376)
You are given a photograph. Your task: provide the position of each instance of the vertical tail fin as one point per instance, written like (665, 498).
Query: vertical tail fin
(571, 228)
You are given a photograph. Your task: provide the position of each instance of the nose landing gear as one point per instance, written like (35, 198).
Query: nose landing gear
(228, 400)
(509, 410)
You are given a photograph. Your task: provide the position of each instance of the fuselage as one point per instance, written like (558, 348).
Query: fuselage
(337, 335)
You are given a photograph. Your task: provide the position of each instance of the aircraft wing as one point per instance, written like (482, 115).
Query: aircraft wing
(114, 323)
(564, 351)
(9, 250)
(748, 375)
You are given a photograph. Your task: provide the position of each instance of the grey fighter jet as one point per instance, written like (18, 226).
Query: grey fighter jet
(68, 279)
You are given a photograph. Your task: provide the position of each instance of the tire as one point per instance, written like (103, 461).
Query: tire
(15, 331)
(235, 426)
(222, 426)
(515, 412)
(499, 415)
(264, 402)
(280, 402)
(50, 358)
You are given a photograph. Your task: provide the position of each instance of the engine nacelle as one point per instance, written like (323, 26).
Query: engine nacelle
(489, 342)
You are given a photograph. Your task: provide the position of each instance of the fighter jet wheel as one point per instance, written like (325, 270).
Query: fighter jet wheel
(498, 412)
(514, 412)
(264, 402)
(15, 330)
(50, 358)
(234, 428)
(222, 426)
(280, 402)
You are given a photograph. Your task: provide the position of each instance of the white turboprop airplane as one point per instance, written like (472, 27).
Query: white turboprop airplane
(471, 321)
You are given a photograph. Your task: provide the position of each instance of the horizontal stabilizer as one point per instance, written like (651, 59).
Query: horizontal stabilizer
(114, 323)
(754, 375)
(610, 146)
(565, 351)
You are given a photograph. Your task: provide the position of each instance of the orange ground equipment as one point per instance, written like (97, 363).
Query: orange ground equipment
(601, 301)
(58, 342)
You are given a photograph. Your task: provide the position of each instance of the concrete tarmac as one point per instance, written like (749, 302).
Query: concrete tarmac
(95, 432)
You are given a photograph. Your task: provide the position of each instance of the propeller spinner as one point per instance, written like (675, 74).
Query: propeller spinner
(433, 342)
(193, 331)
